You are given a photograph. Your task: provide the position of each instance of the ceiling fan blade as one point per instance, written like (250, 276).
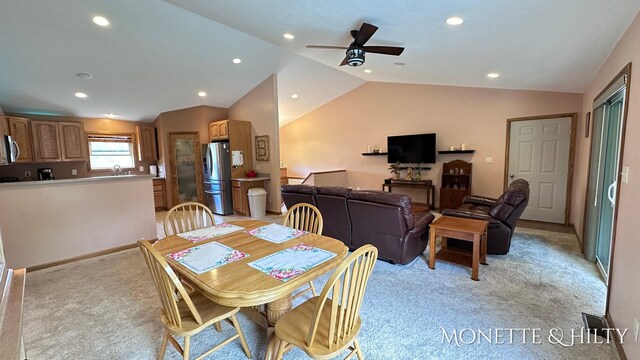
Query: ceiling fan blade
(326, 47)
(344, 61)
(386, 50)
(365, 33)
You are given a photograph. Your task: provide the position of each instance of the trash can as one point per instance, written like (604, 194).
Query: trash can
(257, 202)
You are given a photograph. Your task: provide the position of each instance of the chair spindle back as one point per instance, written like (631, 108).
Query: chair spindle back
(186, 217)
(167, 284)
(346, 286)
(306, 217)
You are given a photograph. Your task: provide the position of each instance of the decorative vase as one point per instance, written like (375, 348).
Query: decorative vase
(396, 176)
(417, 177)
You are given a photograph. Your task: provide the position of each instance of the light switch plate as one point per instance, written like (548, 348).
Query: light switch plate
(257, 167)
(27, 174)
(488, 160)
(141, 168)
(74, 172)
(625, 175)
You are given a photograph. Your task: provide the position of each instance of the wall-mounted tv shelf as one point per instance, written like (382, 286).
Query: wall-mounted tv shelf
(456, 151)
(405, 167)
(374, 153)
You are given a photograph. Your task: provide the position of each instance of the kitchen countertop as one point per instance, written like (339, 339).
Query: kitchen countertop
(76, 180)
(257, 178)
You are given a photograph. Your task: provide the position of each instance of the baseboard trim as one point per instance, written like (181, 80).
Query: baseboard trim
(616, 339)
(83, 257)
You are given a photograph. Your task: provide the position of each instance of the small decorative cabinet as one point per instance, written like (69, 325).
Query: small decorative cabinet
(456, 183)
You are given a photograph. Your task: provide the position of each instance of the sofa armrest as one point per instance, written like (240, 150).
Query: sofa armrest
(479, 200)
(422, 221)
(470, 215)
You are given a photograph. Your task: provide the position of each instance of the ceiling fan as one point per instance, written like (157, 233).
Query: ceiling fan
(355, 52)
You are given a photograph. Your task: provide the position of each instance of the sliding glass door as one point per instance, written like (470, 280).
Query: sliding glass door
(603, 178)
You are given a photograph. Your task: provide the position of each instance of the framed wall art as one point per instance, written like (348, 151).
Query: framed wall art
(262, 148)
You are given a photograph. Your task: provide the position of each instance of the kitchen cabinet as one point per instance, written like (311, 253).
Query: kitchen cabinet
(238, 133)
(158, 194)
(46, 141)
(147, 150)
(283, 176)
(55, 141)
(219, 130)
(239, 191)
(72, 141)
(20, 131)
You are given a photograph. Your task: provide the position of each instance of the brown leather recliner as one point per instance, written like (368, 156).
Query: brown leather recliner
(501, 213)
(386, 221)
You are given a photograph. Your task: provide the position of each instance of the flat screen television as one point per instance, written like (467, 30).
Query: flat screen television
(412, 149)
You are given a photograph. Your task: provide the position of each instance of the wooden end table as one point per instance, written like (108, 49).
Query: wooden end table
(471, 230)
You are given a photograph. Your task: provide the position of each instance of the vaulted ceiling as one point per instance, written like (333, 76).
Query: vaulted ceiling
(157, 55)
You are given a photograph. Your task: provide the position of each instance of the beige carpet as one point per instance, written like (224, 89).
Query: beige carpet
(107, 308)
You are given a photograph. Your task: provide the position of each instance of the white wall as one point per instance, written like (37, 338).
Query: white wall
(51, 221)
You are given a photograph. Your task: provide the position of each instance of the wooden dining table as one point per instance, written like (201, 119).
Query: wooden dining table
(239, 285)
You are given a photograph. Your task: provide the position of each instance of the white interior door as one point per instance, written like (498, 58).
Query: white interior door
(539, 153)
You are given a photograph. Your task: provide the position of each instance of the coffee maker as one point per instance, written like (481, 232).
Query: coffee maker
(45, 174)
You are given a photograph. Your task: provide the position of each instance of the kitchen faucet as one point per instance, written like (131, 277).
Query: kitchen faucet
(116, 170)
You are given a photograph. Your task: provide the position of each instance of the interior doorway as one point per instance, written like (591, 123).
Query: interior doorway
(540, 149)
(605, 173)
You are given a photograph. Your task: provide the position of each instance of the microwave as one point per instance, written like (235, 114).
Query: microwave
(9, 150)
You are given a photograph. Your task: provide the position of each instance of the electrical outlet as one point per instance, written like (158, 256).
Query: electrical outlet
(74, 172)
(488, 160)
(141, 168)
(636, 328)
(27, 174)
(358, 188)
(257, 167)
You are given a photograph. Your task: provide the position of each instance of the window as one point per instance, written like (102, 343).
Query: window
(108, 150)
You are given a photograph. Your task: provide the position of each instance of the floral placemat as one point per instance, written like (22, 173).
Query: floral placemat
(292, 261)
(276, 233)
(210, 232)
(203, 258)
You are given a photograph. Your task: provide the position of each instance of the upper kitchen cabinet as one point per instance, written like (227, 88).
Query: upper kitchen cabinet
(46, 141)
(3, 125)
(147, 150)
(238, 133)
(20, 131)
(58, 141)
(72, 141)
(219, 130)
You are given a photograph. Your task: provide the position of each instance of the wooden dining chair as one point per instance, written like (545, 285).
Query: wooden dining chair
(186, 217)
(305, 217)
(185, 314)
(326, 325)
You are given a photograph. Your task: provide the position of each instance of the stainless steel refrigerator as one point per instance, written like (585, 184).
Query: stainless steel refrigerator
(217, 177)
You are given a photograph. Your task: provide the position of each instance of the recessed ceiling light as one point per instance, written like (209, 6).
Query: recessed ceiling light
(288, 36)
(294, 96)
(111, 115)
(84, 75)
(237, 61)
(100, 21)
(80, 95)
(493, 75)
(202, 94)
(398, 63)
(455, 20)
(368, 71)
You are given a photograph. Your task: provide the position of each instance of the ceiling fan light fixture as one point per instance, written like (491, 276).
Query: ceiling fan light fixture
(355, 57)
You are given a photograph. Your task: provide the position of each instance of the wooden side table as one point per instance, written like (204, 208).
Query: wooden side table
(471, 230)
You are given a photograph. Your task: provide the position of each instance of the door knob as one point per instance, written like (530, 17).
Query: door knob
(511, 176)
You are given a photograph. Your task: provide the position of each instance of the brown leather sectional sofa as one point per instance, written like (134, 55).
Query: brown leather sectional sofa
(359, 217)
